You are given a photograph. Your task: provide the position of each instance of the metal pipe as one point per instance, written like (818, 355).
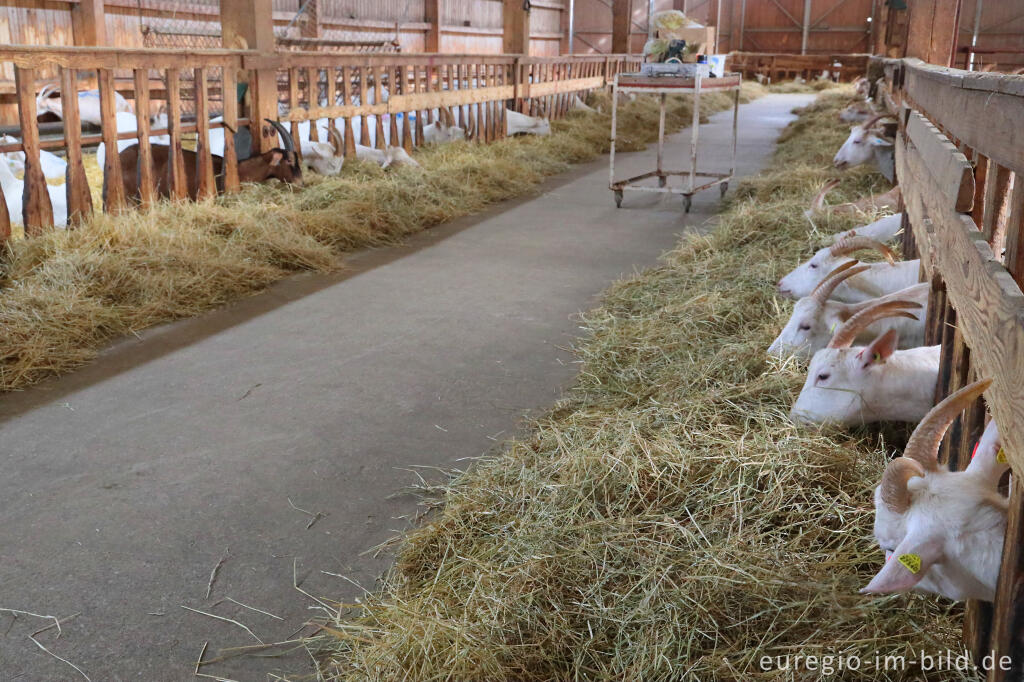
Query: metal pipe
(806, 26)
(650, 24)
(718, 26)
(974, 35)
(743, 21)
(572, 22)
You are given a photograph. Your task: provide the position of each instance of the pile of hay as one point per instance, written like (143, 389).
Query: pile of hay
(803, 87)
(66, 294)
(664, 520)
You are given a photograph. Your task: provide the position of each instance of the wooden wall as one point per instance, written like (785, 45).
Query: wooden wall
(1001, 27)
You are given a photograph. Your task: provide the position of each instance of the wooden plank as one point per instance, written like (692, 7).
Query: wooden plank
(446, 98)
(294, 107)
(993, 219)
(378, 83)
(177, 181)
(205, 184)
(146, 182)
(432, 17)
(1014, 257)
(949, 167)
(5, 219)
(989, 304)
(78, 196)
(421, 115)
(403, 85)
(230, 87)
(313, 99)
(364, 87)
(570, 85)
(1008, 607)
(968, 107)
(516, 27)
(37, 212)
(117, 58)
(113, 185)
(350, 140)
(622, 15)
(88, 24)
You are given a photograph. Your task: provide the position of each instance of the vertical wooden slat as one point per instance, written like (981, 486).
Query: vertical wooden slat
(394, 88)
(177, 181)
(5, 219)
(1014, 257)
(332, 95)
(78, 196)
(1008, 609)
(230, 163)
(37, 212)
(998, 182)
(423, 114)
(113, 184)
(403, 83)
(364, 90)
(981, 165)
(350, 140)
(293, 103)
(481, 124)
(205, 184)
(146, 183)
(313, 81)
(379, 89)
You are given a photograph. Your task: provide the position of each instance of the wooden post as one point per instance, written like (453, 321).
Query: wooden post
(37, 211)
(78, 196)
(88, 24)
(432, 16)
(231, 124)
(147, 187)
(932, 30)
(205, 182)
(177, 182)
(113, 184)
(248, 24)
(622, 15)
(517, 27)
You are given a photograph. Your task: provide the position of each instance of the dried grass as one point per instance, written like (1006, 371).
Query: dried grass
(66, 294)
(664, 520)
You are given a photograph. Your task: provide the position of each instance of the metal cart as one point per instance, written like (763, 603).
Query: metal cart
(674, 85)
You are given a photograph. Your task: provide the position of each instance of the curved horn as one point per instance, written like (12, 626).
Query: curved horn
(445, 114)
(335, 137)
(819, 200)
(835, 278)
(286, 137)
(894, 491)
(851, 329)
(923, 445)
(873, 120)
(848, 245)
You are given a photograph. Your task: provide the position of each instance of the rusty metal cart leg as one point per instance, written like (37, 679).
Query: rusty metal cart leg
(661, 141)
(611, 155)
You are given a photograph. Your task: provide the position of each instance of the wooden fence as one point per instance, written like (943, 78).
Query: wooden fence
(960, 163)
(776, 67)
(287, 86)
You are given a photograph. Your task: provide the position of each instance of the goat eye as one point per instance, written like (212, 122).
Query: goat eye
(824, 376)
(814, 266)
(805, 327)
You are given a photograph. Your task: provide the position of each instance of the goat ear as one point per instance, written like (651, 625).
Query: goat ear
(879, 350)
(275, 158)
(906, 566)
(877, 141)
(989, 459)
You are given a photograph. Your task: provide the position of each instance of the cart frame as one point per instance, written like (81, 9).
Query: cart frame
(664, 86)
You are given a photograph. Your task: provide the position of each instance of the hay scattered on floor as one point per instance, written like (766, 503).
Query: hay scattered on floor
(66, 294)
(664, 521)
(805, 87)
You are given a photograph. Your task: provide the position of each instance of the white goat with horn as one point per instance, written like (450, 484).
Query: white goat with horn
(860, 146)
(879, 279)
(815, 317)
(88, 104)
(848, 385)
(883, 230)
(443, 129)
(942, 531)
(326, 158)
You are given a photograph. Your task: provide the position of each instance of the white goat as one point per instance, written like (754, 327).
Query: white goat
(878, 280)
(53, 166)
(578, 103)
(88, 104)
(860, 146)
(883, 230)
(391, 156)
(127, 123)
(14, 189)
(815, 318)
(862, 86)
(521, 124)
(856, 385)
(326, 158)
(443, 129)
(942, 531)
(857, 111)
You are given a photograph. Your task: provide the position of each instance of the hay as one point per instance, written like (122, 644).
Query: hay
(804, 87)
(66, 294)
(664, 520)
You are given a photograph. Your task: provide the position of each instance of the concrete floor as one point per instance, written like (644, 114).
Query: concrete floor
(126, 483)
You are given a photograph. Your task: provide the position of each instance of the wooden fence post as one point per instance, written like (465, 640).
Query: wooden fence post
(432, 16)
(516, 21)
(248, 24)
(88, 24)
(622, 16)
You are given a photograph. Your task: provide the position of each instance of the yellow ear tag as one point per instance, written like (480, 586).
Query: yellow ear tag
(912, 562)
(832, 329)
(1001, 456)
(878, 357)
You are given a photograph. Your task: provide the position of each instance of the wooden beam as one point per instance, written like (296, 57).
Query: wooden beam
(622, 14)
(432, 16)
(516, 22)
(249, 24)
(88, 24)
(932, 30)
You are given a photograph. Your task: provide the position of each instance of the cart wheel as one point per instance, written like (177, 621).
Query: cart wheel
(618, 198)
(687, 202)
(722, 189)
(662, 181)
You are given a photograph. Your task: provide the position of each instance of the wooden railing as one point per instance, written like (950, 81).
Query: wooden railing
(777, 67)
(958, 154)
(392, 95)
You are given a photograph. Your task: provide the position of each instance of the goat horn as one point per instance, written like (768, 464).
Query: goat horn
(851, 329)
(894, 483)
(848, 245)
(923, 446)
(819, 201)
(835, 278)
(873, 120)
(335, 137)
(445, 114)
(286, 137)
